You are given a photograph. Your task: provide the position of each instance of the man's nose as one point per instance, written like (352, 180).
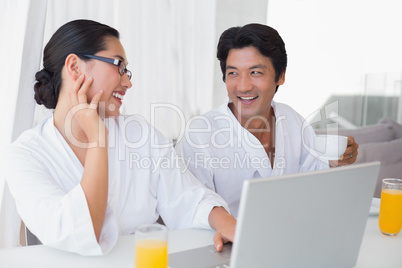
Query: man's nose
(245, 83)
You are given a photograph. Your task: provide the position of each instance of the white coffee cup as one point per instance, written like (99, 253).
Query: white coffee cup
(330, 147)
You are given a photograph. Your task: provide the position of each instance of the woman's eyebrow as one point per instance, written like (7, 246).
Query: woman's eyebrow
(121, 58)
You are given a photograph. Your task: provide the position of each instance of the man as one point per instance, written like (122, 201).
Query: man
(251, 136)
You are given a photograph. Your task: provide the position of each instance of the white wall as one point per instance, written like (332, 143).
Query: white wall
(332, 45)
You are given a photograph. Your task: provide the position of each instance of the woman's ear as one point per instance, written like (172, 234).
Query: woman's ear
(73, 66)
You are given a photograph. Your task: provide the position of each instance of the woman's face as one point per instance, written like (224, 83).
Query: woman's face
(106, 77)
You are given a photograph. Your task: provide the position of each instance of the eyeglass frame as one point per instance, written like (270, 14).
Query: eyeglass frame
(116, 62)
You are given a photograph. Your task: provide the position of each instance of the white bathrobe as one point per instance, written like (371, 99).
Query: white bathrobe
(145, 181)
(222, 154)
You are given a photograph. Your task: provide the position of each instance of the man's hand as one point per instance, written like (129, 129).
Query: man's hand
(350, 155)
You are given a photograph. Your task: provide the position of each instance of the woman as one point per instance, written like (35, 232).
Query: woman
(86, 175)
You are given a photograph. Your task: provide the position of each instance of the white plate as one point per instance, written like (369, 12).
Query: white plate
(375, 206)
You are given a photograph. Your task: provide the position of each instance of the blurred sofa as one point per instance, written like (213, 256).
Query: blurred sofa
(380, 142)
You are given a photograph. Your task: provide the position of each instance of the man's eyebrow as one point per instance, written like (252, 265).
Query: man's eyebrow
(258, 66)
(230, 67)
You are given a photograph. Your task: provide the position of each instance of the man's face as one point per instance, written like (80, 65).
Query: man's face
(250, 82)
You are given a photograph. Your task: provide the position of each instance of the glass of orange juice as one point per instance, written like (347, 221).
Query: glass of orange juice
(151, 246)
(390, 217)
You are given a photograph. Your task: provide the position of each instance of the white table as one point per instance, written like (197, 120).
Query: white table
(377, 251)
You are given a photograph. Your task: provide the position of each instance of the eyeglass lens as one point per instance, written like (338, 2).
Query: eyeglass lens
(123, 69)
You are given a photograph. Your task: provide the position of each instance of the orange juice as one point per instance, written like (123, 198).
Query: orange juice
(151, 254)
(390, 218)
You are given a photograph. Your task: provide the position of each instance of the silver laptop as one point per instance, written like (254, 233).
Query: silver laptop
(312, 219)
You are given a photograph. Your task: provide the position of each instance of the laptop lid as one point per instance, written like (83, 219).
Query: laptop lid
(312, 219)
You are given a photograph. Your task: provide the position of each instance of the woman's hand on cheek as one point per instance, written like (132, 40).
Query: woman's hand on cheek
(85, 114)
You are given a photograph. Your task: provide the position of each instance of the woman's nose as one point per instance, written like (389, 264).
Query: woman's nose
(126, 82)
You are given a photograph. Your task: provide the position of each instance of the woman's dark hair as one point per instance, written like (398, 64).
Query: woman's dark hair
(81, 37)
(264, 38)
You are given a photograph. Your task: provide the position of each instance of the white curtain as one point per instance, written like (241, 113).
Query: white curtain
(22, 24)
(173, 57)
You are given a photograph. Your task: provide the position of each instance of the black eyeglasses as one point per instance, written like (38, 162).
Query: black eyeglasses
(119, 63)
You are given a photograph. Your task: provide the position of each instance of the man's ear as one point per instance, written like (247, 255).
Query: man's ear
(73, 66)
(281, 79)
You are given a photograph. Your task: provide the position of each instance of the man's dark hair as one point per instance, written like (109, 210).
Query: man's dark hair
(264, 38)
